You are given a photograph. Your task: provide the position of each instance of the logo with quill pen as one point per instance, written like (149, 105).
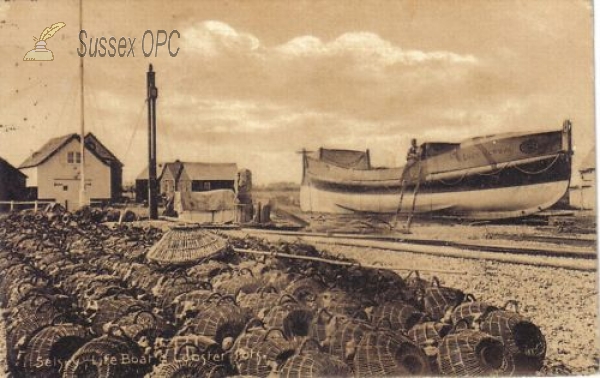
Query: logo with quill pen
(41, 53)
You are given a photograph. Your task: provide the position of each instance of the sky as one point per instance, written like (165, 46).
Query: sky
(255, 81)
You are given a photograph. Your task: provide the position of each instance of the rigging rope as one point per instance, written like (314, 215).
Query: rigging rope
(137, 123)
(541, 170)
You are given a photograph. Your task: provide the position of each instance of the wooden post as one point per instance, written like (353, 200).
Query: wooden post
(152, 184)
(12, 206)
(35, 206)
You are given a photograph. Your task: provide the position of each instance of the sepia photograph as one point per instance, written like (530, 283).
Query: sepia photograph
(310, 188)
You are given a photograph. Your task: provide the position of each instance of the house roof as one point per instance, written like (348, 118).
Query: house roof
(11, 167)
(589, 162)
(194, 171)
(144, 173)
(56, 144)
(210, 171)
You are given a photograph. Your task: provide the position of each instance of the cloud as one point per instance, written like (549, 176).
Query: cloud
(369, 48)
(211, 38)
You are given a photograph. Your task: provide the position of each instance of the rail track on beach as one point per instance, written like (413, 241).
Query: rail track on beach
(568, 255)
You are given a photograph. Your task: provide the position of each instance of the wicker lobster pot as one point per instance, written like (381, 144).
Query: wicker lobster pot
(207, 269)
(256, 350)
(258, 303)
(294, 318)
(472, 353)
(191, 303)
(107, 357)
(305, 289)
(242, 282)
(398, 316)
(312, 363)
(111, 309)
(383, 353)
(470, 310)
(189, 369)
(338, 302)
(25, 323)
(344, 336)
(185, 245)
(192, 356)
(220, 320)
(53, 346)
(179, 285)
(191, 348)
(437, 300)
(522, 339)
(428, 336)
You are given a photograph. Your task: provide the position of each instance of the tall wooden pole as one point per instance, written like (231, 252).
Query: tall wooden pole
(82, 190)
(152, 182)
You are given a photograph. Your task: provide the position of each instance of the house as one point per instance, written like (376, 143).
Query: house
(12, 182)
(583, 196)
(180, 176)
(53, 172)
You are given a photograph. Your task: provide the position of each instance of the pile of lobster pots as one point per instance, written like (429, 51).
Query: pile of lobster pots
(80, 299)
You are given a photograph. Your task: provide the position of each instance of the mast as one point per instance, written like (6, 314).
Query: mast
(82, 189)
(152, 184)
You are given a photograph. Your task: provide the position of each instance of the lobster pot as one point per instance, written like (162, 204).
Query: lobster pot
(468, 311)
(428, 336)
(338, 302)
(254, 351)
(305, 289)
(346, 338)
(258, 302)
(398, 316)
(185, 245)
(192, 348)
(471, 353)
(314, 365)
(218, 321)
(189, 369)
(53, 343)
(239, 284)
(522, 339)
(107, 357)
(389, 355)
(437, 300)
(294, 319)
(207, 269)
(111, 309)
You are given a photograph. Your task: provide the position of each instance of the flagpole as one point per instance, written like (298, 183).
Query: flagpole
(82, 189)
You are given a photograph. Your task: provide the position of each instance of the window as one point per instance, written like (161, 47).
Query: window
(74, 157)
(207, 185)
(65, 188)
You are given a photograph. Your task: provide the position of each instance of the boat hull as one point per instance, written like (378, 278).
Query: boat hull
(471, 180)
(495, 203)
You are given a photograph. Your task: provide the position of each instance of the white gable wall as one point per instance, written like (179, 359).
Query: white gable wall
(59, 180)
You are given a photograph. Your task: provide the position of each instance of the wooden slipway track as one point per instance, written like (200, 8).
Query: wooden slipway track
(568, 257)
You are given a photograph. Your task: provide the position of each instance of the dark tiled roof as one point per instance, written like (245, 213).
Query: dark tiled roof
(10, 167)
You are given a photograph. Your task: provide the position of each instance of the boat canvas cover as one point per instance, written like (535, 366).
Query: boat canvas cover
(328, 172)
(345, 158)
(214, 200)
